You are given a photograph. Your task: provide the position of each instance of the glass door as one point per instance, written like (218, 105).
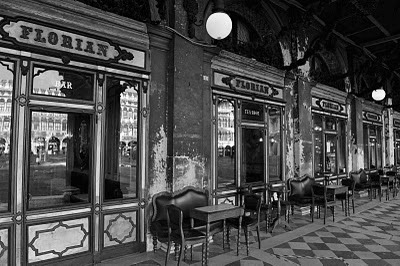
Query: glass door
(253, 155)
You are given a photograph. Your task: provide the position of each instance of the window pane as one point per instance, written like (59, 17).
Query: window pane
(330, 149)
(318, 145)
(372, 153)
(379, 147)
(226, 165)
(330, 124)
(275, 144)
(121, 140)
(366, 145)
(6, 88)
(59, 168)
(63, 83)
(342, 146)
(253, 155)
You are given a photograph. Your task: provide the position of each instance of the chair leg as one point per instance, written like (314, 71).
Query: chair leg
(154, 243)
(258, 236)
(312, 213)
(183, 247)
(342, 205)
(168, 251)
(324, 214)
(228, 237)
(333, 213)
(246, 236)
(352, 200)
(176, 251)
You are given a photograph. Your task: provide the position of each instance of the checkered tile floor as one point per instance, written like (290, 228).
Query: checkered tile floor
(371, 236)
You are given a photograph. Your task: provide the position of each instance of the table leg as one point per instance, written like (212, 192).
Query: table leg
(238, 237)
(207, 242)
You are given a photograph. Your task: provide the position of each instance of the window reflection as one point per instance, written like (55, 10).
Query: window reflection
(63, 83)
(59, 160)
(6, 89)
(329, 135)
(121, 139)
(253, 154)
(226, 143)
(372, 146)
(275, 144)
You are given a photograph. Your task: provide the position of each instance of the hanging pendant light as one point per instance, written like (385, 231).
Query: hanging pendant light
(219, 24)
(378, 94)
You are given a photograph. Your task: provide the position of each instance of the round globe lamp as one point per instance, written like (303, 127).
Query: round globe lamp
(219, 25)
(379, 94)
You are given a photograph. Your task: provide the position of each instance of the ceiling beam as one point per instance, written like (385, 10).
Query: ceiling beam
(361, 31)
(372, 19)
(381, 40)
(341, 36)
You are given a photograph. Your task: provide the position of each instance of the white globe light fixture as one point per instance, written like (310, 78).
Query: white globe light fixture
(219, 25)
(378, 94)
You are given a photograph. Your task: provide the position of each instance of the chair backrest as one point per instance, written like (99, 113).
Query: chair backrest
(349, 183)
(252, 202)
(318, 190)
(374, 178)
(359, 176)
(252, 205)
(174, 219)
(301, 187)
(187, 199)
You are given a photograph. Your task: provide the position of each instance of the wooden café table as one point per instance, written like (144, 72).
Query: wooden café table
(213, 213)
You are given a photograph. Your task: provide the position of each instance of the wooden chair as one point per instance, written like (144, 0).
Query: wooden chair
(351, 184)
(321, 198)
(377, 184)
(251, 218)
(392, 184)
(273, 204)
(182, 236)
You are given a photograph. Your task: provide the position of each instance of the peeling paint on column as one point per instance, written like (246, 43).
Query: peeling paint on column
(188, 172)
(287, 59)
(159, 168)
(302, 46)
(289, 129)
(289, 146)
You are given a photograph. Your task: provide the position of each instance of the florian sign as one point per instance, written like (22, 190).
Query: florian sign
(328, 106)
(248, 86)
(32, 34)
(372, 117)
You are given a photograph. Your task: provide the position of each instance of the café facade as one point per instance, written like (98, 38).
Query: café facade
(100, 112)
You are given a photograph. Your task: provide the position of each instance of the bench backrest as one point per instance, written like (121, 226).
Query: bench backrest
(301, 187)
(186, 199)
(359, 177)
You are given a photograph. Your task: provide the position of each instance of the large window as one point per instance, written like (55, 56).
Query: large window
(121, 145)
(226, 162)
(397, 147)
(58, 82)
(260, 142)
(372, 146)
(329, 138)
(59, 164)
(6, 88)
